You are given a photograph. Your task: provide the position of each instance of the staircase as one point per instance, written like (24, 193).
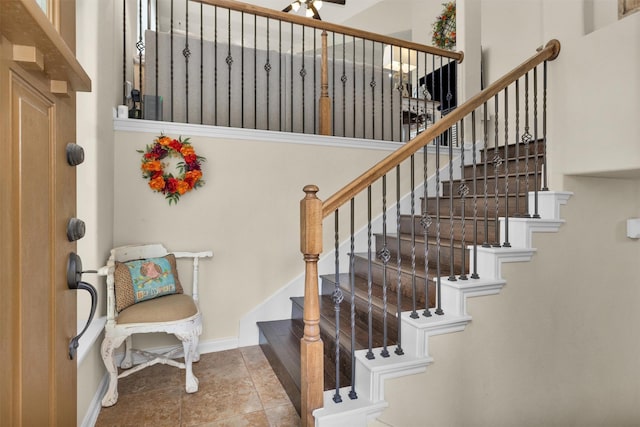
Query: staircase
(280, 340)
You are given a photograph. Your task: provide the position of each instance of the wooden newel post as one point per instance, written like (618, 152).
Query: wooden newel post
(325, 101)
(311, 349)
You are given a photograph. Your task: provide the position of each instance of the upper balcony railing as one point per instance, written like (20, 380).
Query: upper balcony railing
(227, 63)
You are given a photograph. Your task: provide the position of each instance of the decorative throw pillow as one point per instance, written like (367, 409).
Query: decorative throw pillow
(145, 279)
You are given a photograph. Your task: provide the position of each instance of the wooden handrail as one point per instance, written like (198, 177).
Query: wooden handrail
(548, 53)
(321, 25)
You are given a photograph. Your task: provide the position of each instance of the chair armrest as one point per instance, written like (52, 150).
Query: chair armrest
(196, 257)
(205, 254)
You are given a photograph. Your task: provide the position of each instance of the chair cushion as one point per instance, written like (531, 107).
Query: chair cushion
(165, 309)
(145, 279)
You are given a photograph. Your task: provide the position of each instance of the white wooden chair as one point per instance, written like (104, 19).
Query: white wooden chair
(175, 313)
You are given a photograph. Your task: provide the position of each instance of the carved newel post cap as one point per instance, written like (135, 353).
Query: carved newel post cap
(311, 190)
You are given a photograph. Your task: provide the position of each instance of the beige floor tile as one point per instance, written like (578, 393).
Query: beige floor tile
(237, 388)
(212, 404)
(253, 419)
(283, 416)
(152, 408)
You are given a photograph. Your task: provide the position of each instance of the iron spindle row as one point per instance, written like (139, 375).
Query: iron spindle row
(196, 94)
(501, 160)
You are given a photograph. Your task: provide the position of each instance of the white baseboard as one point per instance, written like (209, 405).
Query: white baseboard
(93, 411)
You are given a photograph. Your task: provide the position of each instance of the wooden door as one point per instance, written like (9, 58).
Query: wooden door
(38, 79)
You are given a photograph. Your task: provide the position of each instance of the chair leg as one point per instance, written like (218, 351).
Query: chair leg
(189, 344)
(109, 344)
(127, 362)
(196, 353)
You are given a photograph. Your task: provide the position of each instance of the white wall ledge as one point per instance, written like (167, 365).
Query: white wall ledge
(188, 129)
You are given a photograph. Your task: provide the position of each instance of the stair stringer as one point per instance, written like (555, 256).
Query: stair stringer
(372, 374)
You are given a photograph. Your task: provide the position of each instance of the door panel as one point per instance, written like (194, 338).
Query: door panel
(32, 121)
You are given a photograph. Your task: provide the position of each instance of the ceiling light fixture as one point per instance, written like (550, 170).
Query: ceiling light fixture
(312, 7)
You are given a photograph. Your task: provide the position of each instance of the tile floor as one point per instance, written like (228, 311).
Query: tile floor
(237, 388)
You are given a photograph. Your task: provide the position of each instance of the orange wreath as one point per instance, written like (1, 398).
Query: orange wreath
(190, 176)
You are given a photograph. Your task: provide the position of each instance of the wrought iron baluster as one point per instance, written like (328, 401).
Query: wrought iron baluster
(315, 85)
(267, 69)
(392, 96)
(517, 190)
(545, 186)
(280, 75)
(124, 52)
(241, 70)
(157, 112)
(475, 274)
(463, 192)
(399, 350)
(506, 243)
(303, 74)
(370, 354)
(401, 107)
(343, 79)
(364, 91)
(372, 85)
(442, 98)
(452, 273)
(215, 65)
(333, 86)
(382, 109)
(291, 83)
(140, 47)
(186, 52)
(439, 310)
(414, 302)
(485, 157)
(425, 222)
(433, 88)
(255, 71)
(353, 102)
(535, 143)
(201, 67)
(526, 139)
(352, 283)
(384, 255)
(337, 299)
(171, 58)
(497, 163)
(229, 62)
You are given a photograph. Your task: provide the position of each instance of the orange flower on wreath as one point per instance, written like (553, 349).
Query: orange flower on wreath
(157, 184)
(153, 168)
